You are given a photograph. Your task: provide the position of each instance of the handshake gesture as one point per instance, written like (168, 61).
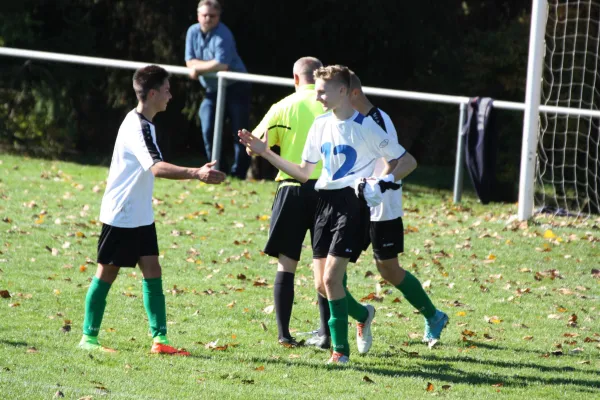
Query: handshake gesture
(371, 189)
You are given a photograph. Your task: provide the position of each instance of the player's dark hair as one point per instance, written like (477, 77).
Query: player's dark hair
(148, 78)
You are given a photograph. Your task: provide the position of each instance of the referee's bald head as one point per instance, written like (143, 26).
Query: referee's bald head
(305, 66)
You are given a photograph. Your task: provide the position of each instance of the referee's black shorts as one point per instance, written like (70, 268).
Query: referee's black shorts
(123, 247)
(341, 225)
(387, 238)
(293, 214)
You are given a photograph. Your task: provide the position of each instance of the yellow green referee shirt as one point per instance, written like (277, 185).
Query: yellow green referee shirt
(288, 122)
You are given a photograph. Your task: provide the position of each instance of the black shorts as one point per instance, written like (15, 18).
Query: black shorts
(293, 214)
(341, 225)
(387, 238)
(123, 247)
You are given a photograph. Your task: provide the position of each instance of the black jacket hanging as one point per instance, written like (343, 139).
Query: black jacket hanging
(481, 138)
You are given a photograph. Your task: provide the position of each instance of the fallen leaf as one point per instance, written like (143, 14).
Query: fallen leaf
(15, 304)
(262, 324)
(461, 314)
(230, 305)
(294, 356)
(261, 368)
(412, 354)
(367, 379)
(446, 387)
(32, 350)
(584, 362)
(429, 387)
(82, 268)
(549, 235)
(269, 309)
(396, 300)
(571, 334)
(58, 394)
(576, 350)
(368, 274)
(372, 296)
(572, 321)
(554, 316)
(427, 284)
(248, 381)
(469, 333)
(498, 385)
(527, 337)
(596, 273)
(557, 353)
(5, 294)
(492, 320)
(66, 328)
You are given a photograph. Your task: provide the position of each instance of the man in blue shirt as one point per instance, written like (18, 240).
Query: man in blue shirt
(210, 47)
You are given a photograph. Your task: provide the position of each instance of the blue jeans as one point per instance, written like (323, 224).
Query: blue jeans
(237, 108)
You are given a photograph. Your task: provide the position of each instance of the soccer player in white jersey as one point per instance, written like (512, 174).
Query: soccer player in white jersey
(128, 234)
(348, 144)
(387, 231)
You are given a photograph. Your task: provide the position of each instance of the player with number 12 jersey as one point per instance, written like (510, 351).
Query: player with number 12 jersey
(349, 149)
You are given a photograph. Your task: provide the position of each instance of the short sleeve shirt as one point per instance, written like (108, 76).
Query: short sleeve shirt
(391, 206)
(287, 123)
(348, 149)
(127, 200)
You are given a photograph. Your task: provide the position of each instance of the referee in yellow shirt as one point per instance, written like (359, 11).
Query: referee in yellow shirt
(286, 125)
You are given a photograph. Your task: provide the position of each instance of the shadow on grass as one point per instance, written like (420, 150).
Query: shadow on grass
(442, 369)
(506, 364)
(12, 343)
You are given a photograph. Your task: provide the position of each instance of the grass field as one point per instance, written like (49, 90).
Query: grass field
(522, 299)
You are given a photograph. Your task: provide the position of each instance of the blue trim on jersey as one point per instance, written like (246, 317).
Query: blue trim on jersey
(359, 118)
(310, 162)
(394, 159)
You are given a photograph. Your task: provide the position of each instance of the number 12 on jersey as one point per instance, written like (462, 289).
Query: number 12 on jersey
(349, 161)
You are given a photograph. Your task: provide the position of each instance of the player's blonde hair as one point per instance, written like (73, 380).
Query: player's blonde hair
(337, 73)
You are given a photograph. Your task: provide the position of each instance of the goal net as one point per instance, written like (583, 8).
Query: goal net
(568, 156)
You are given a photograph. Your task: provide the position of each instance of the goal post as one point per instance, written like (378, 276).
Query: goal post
(532, 104)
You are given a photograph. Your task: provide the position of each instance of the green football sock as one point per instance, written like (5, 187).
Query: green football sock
(162, 339)
(95, 303)
(413, 291)
(154, 303)
(355, 309)
(338, 325)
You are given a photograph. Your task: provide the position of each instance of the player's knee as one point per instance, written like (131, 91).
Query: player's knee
(387, 268)
(331, 282)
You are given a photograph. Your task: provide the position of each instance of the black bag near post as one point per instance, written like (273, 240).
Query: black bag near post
(481, 138)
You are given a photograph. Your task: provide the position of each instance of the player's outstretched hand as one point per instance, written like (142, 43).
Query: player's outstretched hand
(209, 175)
(253, 143)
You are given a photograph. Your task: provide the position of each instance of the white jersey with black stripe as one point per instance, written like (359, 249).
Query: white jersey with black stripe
(391, 206)
(127, 201)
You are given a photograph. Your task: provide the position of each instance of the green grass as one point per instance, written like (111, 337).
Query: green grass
(476, 266)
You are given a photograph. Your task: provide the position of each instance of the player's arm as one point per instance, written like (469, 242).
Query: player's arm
(205, 174)
(400, 163)
(401, 167)
(300, 172)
